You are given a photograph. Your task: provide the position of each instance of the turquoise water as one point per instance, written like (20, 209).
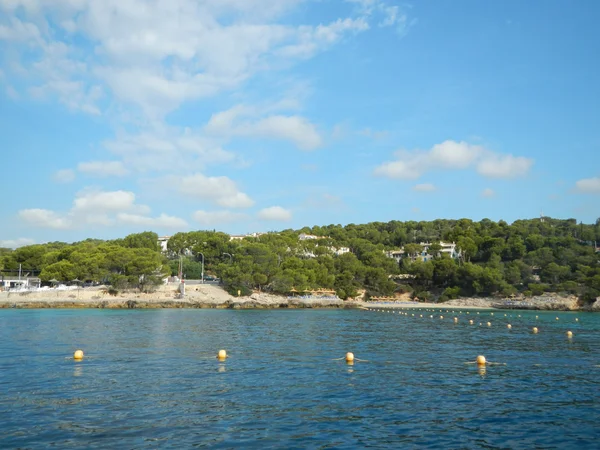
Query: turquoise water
(150, 380)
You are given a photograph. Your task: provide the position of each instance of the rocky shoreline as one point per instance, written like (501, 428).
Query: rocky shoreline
(214, 297)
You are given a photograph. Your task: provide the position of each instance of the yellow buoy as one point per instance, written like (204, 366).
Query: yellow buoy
(489, 324)
(535, 330)
(78, 354)
(492, 314)
(471, 322)
(536, 317)
(576, 319)
(222, 355)
(441, 317)
(481, 360)
(349, 357)
(569, 334)
(509, 326)
(456, 320)
(557, 318)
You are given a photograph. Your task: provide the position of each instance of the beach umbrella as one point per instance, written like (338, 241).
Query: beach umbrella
(54, 281)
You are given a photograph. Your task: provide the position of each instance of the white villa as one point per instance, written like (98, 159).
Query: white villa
(448, 248)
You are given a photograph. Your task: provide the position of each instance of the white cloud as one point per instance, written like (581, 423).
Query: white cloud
(275, 213)
(488, 193)
(103, 168)
(588, 185)
(167, 150)
(64, 176)
(155, 58)
(100, 208)
(16, 30)
(452, 155)
(242, 120)
(209, 218)
(221, 191)
(101, 201)
(162, 221)
(16, 243)
(504, 166)
(425, 187)
(388, 15)
(44, 218)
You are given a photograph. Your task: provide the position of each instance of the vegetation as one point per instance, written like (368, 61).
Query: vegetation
(527, 257)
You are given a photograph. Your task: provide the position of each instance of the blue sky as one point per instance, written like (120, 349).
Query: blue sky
(123, 116)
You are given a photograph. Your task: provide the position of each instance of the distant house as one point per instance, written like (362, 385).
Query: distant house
(339, 251)
(448, 248)
(307, 237)
(163, 241)
(20, 282)
(395, 254)
(239, 237)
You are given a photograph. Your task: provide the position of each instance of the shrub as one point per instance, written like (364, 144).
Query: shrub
(404, 289)
(537, 288)
(450, 293)
(569, 286)
(422, 296)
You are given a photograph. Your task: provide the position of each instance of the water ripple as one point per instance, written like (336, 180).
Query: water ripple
(150, 379)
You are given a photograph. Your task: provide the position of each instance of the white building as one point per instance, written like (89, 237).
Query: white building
(339, 251)
(307, 237)
(239, 237)
(162, 241)
(19, 282)
(448, 248)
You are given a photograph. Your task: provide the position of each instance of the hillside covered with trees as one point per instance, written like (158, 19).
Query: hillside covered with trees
(527, 257)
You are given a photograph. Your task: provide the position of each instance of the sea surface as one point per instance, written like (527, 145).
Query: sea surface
(150, 379)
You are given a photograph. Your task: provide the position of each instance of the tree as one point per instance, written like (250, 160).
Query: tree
(147, 239)
(413, 250)
(553, 273)
(434, 249)
(467, 248)
(444, 272)
(61, 271)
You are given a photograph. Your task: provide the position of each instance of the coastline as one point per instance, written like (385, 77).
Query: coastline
(214, 297)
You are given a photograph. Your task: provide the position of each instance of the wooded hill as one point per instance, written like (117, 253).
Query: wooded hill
(527, 257)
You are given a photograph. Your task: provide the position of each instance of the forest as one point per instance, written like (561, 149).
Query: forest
(525, 258)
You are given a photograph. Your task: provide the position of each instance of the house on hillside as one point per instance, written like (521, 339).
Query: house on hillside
(448, 248)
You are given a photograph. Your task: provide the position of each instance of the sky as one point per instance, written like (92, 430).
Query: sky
(123, 116)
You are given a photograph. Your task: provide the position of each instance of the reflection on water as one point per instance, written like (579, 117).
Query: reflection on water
(152, 382)
(78, 370)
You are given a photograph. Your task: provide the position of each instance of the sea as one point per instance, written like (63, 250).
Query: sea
(151, 379)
